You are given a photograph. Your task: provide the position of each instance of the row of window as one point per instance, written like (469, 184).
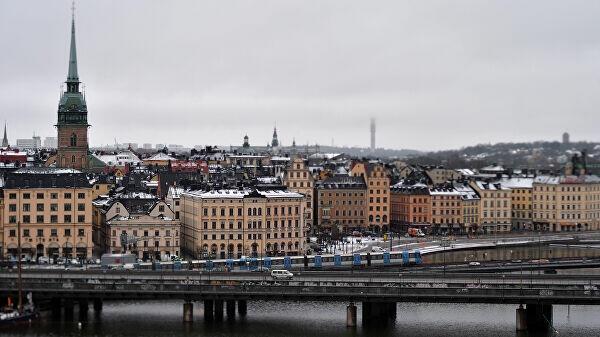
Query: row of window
(145, 244)
(41, 195)
(41, 207)
(448, 211)
(337, 194)
(41, 219)
(249, 236)
(40, 232)
(252, 225)
(252, 211)
(448, 204)
(498, 213)
(378, 208)
(146, 233)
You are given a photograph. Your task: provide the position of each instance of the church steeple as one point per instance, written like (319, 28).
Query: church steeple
(72, 122)
(73, 77)
(5, 139)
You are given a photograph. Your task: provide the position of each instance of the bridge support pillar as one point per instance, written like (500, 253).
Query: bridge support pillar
(521, 318)
(188, 311)
(378, 313)
(219, 310)
(209, 312)
(69, 309)
(83, 309)
(392, 310)
(539, 316)
(97, 304)
(55, 306)
(351, 315)
(242, 308)
(230, 310)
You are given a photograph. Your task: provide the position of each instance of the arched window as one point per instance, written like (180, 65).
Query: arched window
(73, 139)
(72, 159)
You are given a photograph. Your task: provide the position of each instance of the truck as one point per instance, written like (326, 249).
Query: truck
(117, 260)
(415, 232)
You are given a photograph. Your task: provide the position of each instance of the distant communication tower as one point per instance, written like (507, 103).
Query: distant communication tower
(565, 137)
(372, 135)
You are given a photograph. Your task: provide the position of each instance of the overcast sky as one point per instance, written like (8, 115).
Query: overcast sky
(434, 74)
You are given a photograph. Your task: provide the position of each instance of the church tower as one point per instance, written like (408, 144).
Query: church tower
(5, 139)
(275, 142)
(72, 123)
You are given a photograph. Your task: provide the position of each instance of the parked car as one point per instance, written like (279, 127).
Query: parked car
(474, 264)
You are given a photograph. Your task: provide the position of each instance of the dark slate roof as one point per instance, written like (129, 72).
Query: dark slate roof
(342, 182)
(45, 177)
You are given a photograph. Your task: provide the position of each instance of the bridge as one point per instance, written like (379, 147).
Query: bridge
(377, 291)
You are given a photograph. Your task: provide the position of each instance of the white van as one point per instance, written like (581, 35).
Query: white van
(281, 274)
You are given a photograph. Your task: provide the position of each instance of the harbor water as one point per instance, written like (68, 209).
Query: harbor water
(274, 318)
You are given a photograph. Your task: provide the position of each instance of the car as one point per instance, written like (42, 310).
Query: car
(474, 264)
(281, 274)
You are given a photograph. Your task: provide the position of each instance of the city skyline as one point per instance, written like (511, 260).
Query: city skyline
(434, 76)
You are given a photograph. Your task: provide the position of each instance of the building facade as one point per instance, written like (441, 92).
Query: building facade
(53, 209)
(341, 204)
(446, 210)
(297, 178)
(521, 202)
(566, 203)
(235, 223)
(378, 194)
(495, 207)
(410, 206)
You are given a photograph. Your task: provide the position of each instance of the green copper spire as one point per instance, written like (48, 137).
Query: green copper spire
(73, 77)
(72, 109)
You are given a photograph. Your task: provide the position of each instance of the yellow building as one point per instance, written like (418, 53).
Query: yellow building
(378, 194)
(446, 210)
(521, 202)
(566, 203)
(53, 209)
(495, 207)
(297, 178)
(470, 208)
(233, 223)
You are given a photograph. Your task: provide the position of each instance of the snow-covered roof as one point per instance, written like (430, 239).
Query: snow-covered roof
(278, 158)
(324, 155)
(517, 182)
(443, 191)
(160, 157)
(466, 172)
(267, 180)
(175, 191)
(46, 170)
(237, 194)
(554, 180)
(491, 186)
(119, 159)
